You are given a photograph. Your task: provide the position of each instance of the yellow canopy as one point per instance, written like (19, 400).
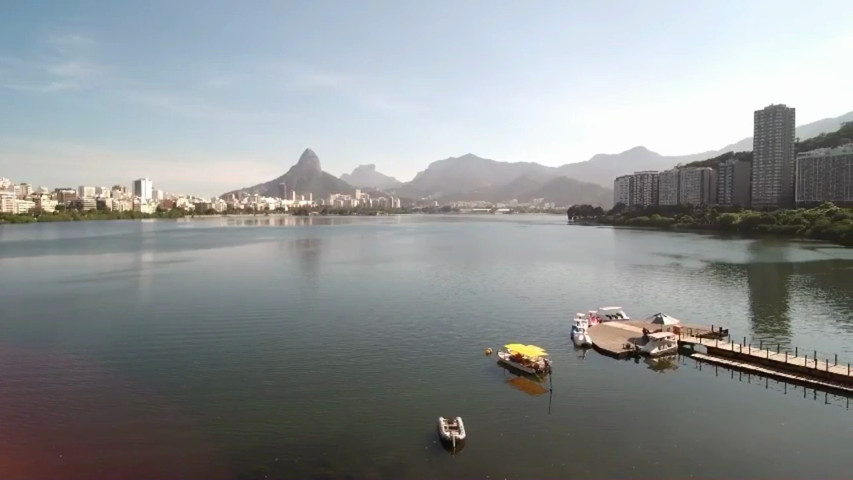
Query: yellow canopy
(526, 350)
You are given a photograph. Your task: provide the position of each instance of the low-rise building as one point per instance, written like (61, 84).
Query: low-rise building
(44, 203)
(7, 202)
(23, 206)
(825, 175)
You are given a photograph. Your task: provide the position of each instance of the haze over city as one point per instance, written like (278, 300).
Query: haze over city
(210, 97)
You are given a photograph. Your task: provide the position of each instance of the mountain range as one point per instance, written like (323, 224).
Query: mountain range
(366, 176)
(470, 177)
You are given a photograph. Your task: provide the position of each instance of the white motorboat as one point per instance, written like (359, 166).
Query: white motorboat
(528, 359)
(451, 432)
(659, 344)
(606, 314)
(580, 331)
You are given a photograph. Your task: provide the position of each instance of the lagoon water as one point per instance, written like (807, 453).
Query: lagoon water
(327, 347)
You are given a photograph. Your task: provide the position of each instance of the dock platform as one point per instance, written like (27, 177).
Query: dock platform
(620, 339)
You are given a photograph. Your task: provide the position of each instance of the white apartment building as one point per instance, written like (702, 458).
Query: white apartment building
(697, 186)
(825, 175)
(668, 189)
(7, 202)
(622, 190)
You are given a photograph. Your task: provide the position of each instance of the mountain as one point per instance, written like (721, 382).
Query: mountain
(305, 177)
(366, 176)
(461, 175)
(603, 168)
(568, 191)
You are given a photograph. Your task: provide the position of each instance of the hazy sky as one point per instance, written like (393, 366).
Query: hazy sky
(207, 96)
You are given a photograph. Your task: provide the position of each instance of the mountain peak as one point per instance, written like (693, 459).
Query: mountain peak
(309, 160)
(637, 149)
(369, 167)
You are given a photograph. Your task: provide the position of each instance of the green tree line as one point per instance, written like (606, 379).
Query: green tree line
(826, 222)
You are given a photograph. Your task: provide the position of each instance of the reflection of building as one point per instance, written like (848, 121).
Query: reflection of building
(825, 175)
(768, 274)
(733, 179)
(773, 157)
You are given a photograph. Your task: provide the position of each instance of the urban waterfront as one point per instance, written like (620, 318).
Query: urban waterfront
(326, 348)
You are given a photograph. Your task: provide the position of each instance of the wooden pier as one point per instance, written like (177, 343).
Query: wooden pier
(621, 339)
(775, 374)
(825, 369)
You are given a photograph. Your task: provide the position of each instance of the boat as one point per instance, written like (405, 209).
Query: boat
(606, 314)
(451, 432)
(528, 359)
(580, 331)
(659, 344)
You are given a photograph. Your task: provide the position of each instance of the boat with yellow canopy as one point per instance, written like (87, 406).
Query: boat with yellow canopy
(528, 359)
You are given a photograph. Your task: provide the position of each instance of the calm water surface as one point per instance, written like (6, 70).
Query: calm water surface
(326, 348)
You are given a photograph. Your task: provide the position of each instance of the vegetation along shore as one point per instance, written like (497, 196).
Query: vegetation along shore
(825, 222)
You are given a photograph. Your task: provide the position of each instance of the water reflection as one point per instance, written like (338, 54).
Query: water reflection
(662, 364)
(308, 252)
(768, 275)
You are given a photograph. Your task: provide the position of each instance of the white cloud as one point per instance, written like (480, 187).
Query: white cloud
(71, 41)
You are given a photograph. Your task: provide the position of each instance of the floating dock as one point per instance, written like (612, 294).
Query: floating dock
(620, 339)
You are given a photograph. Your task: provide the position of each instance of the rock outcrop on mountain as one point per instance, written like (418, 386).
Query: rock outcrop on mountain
(306, 176)
(366, 176)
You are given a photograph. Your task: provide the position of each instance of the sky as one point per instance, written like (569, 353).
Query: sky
(208, 96)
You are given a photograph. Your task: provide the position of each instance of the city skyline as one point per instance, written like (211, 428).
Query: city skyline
(394, 84)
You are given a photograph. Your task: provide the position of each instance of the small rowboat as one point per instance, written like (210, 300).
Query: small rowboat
(451, 432)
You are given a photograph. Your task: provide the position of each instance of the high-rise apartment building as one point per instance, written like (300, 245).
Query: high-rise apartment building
(773, 157)
(825, 175)
(644, 188)
(668, 187)
(622, 190)
(144, 189)
(733, 182)
(697, 186)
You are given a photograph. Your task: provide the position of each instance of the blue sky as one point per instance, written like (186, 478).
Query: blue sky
(209, 96)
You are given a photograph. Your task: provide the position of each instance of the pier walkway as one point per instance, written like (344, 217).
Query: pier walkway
(826, 369)
(776, 374)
